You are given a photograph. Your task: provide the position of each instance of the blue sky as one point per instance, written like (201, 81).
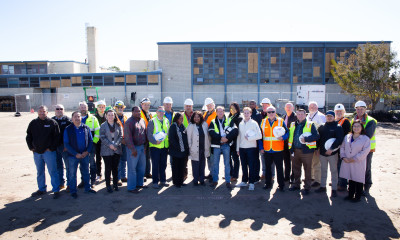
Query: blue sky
(130, 30)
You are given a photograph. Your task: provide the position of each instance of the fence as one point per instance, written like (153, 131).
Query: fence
(28, 101)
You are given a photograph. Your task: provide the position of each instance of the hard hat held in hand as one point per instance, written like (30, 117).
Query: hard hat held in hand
(159, 136)
(328, 144)
(279, 131)
(301, 138)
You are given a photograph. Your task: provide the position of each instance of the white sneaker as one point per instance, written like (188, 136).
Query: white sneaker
(242, 184)
(251, 187)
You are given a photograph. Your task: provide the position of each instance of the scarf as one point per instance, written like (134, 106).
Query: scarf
(180, 138)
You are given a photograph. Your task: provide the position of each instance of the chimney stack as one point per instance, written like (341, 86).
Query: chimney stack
(91, 48)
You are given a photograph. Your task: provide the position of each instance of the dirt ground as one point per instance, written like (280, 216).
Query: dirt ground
(193, 212)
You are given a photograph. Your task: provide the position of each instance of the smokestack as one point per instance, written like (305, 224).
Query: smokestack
(91, 48)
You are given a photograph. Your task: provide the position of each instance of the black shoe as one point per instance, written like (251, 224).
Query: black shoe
(306, 191)
(142, 187)
(81, 185)
(38, 193)
(195, 184)
(355, 200)
(228, 185)
(315, 184)
(116, 188)
(202, 183)
(333, 194)
(148, 176)
(321, 190)
(267, 187)
(214, 184)
(281, 189)
(294, 189)
(136, 191)
(74, 195)
(124, 180)
(109, 189)
(348, 198)
(91, 191)
(56, 195)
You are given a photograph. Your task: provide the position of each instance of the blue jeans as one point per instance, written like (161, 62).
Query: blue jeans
(225, 150)
(248, 157)
(73, 168)
(122, 163)
(49, 158)
(159, 162)
(136, 167)
(61, 155)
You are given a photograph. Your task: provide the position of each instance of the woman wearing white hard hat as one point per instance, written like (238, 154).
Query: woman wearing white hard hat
(246, 147)
(331, 136)
(340, 112)
(369, 124)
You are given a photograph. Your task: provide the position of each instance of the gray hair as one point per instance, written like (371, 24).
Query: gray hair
(44, 107)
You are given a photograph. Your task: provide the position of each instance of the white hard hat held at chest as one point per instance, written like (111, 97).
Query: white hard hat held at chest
(188, 102)
(360, 104)
(279, 131)
(168, 100)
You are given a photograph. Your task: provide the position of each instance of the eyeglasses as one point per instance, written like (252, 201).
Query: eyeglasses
(271, 112)
(59, 108)
(161, 111)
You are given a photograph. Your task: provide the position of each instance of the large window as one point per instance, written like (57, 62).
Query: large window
(208, 65)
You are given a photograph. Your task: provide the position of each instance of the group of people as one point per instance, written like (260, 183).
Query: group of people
(131, 147)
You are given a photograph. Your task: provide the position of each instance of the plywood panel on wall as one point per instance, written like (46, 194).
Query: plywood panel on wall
(65, 83)
(295, 79)
(273, 60)
(45, 84)
(316, 72)
(221, 71)
(152, 78)
(200, 60)
(129, 79)
(76, 80)
(119, 79)
(252, 59)
(307, 55)
(196, 70)
(328, 58)
(55, 83)
(283, 50)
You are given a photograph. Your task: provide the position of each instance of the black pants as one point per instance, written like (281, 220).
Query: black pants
(277, 158)
(111, 166)
(198, 168)
(248, 157)
(98, 158)
(234, 163)
(178, 170)
(355, 188)
(257, 168)
(148, 162)
(287, 159)
(186, 168)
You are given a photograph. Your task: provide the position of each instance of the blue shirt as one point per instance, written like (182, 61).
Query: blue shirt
(297, 132)
(80, 140)
(84, 119)
(168, 115)
(121, 118)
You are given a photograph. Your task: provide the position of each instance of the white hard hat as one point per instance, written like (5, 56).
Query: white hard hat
(101, 102)
(208, 101)
(188, 102)
(265, 100)
(339, 106)
(360, 104)
(168, 100)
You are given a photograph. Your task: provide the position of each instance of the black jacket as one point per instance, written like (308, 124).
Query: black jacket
(256, 116)
(174, 146)
(291, 118)
(63, 123)
(216, 137)
(236, 119)
(327, 131)
(42, 135)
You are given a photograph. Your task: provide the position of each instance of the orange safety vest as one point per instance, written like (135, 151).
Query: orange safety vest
(122, 126)
(143, 116)
(211, 117)
(269, 140)
(342, 121)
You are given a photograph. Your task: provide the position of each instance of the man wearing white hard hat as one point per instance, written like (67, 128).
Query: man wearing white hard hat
(188, 108)
(169, 112)
(369, 124)
(318, 119)
(331, 136)
(209, 116)
(274, 133)
(340, 112)
(265, 103)
(101, 117)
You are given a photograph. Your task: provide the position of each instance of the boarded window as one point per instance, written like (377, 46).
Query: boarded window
(307, 55)
(45, 84)
(196, 71)
(131, 79)
(283, 50)
(273, 60)
(65, 82)
(328, 58)
(316, 72)
(55, 83)
(200, 60)
(295, 79)
(221, 71)
(152, 79)
(119, 79)
(76, 80)
(252, 62)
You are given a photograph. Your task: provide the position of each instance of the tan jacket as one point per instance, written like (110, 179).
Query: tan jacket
(193, 140)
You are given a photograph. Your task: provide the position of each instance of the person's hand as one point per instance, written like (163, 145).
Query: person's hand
(32, 149)
(224, 139)
(351, 160)
(65, 149)
(84, 154)
(123, 141)
(158, 142)
(329, 152)
(302, 139)
(238, 153)
(134, 153)
(280, 138)
(346, 160)
(111, 146)
(78, 156)
(262, 151)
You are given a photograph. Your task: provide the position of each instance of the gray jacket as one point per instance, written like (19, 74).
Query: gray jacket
(193, 141)
(106, 140)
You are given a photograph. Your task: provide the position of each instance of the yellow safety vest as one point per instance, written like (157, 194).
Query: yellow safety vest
(185, 120)
(94, 126)
(157, 128)
(226, 124)
(307, 128)
(373, 141)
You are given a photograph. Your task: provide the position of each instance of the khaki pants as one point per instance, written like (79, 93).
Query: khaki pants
(316, 167)
(300, 159)
(332, 161)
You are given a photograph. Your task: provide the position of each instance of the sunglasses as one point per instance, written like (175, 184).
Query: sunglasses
(161, 111)
(271, 112)
(59, 108)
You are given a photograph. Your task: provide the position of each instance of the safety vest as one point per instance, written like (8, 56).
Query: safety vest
(143, 116)
(269, 141)
(307, 128)
(158, 128)
(211, 117)
(373, 141)
(342, 121)
(226, 125)
(185, 120)
(94, 126)
(122, 125)
(172, 118)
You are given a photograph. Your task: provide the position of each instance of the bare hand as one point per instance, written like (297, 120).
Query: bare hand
(65, 149)
(84, 154)
(224, 139)
(302, 139)
(280, 138)
(134, 153)
(262, 151)
(158, 142)
(329, 152)
(78, 156)
(123, 141)
(238, 153)
(111, 146)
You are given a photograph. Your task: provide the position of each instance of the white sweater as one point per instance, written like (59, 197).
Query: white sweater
(251, 142)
